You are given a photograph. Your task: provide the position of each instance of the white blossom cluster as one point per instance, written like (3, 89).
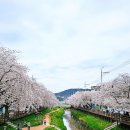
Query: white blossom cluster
(114, 94)
(17, 90)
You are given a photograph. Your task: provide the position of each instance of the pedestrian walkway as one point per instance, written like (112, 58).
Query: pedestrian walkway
(42, 127)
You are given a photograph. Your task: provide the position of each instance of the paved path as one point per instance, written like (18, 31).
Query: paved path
(42, 127)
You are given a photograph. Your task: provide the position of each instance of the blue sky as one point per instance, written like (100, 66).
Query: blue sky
(65, 43)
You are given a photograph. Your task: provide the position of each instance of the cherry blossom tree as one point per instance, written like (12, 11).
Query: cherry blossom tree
(114, 94)
(17, 90)
(118, 91)
(80, 99)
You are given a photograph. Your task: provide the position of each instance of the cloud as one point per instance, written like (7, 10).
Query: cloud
(66, 42)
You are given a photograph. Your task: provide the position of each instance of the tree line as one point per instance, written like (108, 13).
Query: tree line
(18, 91)
(114, 94)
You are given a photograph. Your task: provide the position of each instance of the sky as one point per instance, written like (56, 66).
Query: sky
(65, 43)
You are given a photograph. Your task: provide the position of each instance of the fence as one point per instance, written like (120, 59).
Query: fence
(123, 119)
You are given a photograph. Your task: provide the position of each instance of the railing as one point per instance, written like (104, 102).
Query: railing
(123, 119)
(14, 115)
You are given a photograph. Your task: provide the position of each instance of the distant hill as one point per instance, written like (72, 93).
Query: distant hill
(67, 93)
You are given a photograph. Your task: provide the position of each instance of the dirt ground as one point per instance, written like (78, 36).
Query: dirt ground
(41, 127)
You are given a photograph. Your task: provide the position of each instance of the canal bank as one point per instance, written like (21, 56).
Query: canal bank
(72, 123)
(78, 120)
(91, 121)
(85, 121)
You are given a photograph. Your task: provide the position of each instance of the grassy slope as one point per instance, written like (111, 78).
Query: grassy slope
(50, 128)
(57, 119)
(8, 127)
(117, 128)
(121, 128)
(29, 118)
(91, 121)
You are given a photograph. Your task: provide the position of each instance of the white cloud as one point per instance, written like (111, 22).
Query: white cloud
(56, 37)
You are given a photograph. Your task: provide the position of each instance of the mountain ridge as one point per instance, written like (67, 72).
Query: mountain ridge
(67, 93)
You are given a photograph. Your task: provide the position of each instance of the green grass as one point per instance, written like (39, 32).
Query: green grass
(50, 128)
(94, 123)
(121, 128)
(57, 119)
(29, 118)
(117, 128)
(8, 127)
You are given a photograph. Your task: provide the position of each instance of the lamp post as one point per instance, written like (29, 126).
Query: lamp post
(18, 126)
(28, 125)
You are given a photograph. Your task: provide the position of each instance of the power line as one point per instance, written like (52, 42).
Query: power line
(120, 66)
(114, 69)
(94, 81)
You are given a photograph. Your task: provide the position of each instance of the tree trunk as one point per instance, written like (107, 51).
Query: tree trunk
(129, 93)
(6, 117)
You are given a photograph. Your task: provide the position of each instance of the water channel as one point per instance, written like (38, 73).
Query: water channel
(71, 123)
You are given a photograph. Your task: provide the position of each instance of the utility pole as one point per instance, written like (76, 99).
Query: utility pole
(102, 74)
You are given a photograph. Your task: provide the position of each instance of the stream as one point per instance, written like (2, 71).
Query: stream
(71, 123)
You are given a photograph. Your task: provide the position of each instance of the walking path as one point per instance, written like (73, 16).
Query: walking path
(42, 127)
